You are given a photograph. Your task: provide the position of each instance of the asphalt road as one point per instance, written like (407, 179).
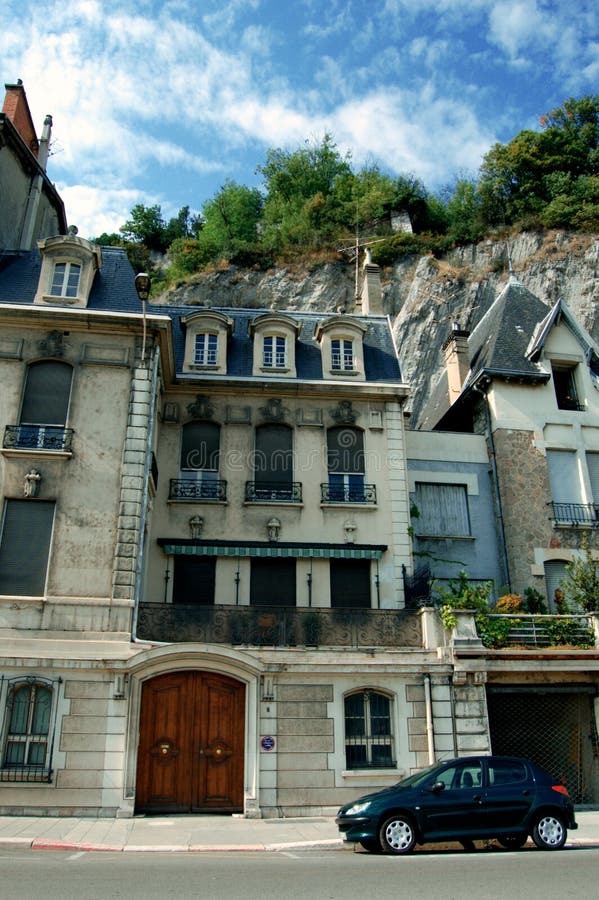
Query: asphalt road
(316, 874)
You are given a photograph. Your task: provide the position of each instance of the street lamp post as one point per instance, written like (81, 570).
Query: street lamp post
(143, 283)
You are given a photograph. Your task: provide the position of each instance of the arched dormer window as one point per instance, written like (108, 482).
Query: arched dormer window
(206, 338)
(341, 345)
(274, 338)
(69, 264)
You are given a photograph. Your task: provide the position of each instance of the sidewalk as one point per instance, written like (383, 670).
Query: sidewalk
(200, 833)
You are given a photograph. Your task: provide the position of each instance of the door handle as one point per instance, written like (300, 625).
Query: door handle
(477, 798)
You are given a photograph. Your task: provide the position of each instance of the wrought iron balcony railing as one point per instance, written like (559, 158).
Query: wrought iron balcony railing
(548, 630)
(38, 437)
(279, 626)
(191, 489)
(273, 491)
(334, 493)
(575, 513)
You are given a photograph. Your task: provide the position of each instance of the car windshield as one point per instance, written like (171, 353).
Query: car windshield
(419, 777)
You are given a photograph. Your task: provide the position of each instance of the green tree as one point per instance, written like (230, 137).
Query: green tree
(146, 226)
(581, 584)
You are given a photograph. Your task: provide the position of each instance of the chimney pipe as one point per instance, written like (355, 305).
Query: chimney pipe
(457, 360)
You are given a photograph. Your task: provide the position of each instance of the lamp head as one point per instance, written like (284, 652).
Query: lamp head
(143, 283)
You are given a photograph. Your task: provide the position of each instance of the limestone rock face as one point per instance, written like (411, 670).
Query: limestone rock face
(422, 295)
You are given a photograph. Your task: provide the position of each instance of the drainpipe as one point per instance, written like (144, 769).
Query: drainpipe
(494, 476)
(430, 736)
(35, 192)
(144, 501)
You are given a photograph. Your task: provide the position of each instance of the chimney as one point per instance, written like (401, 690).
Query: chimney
(17, 110)
(372, 292)
(457, 361)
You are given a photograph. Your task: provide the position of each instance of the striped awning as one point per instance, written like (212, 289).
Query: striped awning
(264, 548)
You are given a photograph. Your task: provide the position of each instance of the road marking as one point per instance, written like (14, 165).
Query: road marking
(75, 855)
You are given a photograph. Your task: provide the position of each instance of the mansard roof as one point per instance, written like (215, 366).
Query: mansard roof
(113, 290)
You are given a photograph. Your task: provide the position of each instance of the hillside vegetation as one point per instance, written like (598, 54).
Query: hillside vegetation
(313, 202)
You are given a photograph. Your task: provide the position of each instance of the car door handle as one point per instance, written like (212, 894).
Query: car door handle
(477, 798)
(526, 793)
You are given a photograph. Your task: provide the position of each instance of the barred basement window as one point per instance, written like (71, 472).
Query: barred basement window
(29, 729)
(368, 737)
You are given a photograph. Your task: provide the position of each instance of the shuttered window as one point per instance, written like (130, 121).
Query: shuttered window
(555, 572)
(593, 467)
(345, 450)
(273, 457)
(46, 394)
(194, 580)
(272, 582)
(350, 583)
(442, 510)
(200, 447)
(25, 547)
(564, 477)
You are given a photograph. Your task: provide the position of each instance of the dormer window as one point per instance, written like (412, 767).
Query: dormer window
(206, 339)
(341, 340)
(274, 336)
(342, 356)
(566, 394)
(206, 349)
(274, 352)
(69, 264)
(65, 281)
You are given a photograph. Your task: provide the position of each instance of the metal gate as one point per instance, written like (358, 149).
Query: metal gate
(555, 727)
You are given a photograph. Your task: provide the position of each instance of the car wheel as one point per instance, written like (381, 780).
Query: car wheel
(549, 833)
(397, 835)
(371, 846)
(513, 841)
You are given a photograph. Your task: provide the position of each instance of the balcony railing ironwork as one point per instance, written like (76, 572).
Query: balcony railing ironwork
(38, 437)
(273, 491)
(334, 493)
(549, 630)
(279, 626)
(192, 489)
(575, 513)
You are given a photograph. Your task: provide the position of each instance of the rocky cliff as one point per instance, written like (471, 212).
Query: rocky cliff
(422, 295)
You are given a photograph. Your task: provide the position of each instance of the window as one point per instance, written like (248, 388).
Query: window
(65, 279)
(555, 572)
(194, 580)
(274, 352)
(28, 725)
(443, 510)
(502, 771)
(206, 350)
(273, 463)
(345, 464)
(350, 583)
(25, 547)
(45, 406)
(564, 382)
(368, 738)
(569, 507)
(199, 463)
(342, 355)
(461, 776)
(272, 582)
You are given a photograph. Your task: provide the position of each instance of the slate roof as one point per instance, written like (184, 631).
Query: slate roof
(113, 290)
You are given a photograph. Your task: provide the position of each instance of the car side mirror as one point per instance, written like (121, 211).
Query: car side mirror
(438, 787)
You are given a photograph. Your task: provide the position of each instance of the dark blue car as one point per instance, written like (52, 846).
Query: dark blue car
(468, 799)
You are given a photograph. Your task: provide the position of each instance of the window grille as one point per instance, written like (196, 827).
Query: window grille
(368, 738)
(29, 728)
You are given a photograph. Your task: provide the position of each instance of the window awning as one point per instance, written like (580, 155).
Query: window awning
(174, 547)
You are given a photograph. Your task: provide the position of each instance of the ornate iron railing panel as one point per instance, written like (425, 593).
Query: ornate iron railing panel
(279, 626)
(273, 491)
(574, 513)
(191, 489)
(334, 493)
(549, 630)
(38, 437)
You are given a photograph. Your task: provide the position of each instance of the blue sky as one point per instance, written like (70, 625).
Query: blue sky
(160, 102)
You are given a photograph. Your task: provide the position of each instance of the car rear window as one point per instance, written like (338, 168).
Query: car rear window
(506, 772)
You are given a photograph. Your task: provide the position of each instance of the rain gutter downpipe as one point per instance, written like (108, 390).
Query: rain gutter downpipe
(430, 735)
(144, 500)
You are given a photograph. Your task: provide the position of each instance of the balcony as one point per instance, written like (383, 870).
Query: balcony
(38, 437)
(195, 490)
(574, 514)
(550, 631)
(259, 626)
(273, 492)
(338, 493)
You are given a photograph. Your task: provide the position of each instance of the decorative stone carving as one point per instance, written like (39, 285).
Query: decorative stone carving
(344, 414)
(201, 408)
(349, 531)
(274, 411)
(53, 344)
(273, 528)
(196, 524)
(31, 484)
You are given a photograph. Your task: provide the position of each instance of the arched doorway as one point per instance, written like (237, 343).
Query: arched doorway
(191, 744)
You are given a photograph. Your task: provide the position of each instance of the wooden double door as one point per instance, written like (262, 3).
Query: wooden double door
(191, 744)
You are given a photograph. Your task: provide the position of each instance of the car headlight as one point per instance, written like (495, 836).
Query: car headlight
(357, 808)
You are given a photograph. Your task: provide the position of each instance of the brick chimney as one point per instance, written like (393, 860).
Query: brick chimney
(457, 360)
(16, 108)
(372, 291)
